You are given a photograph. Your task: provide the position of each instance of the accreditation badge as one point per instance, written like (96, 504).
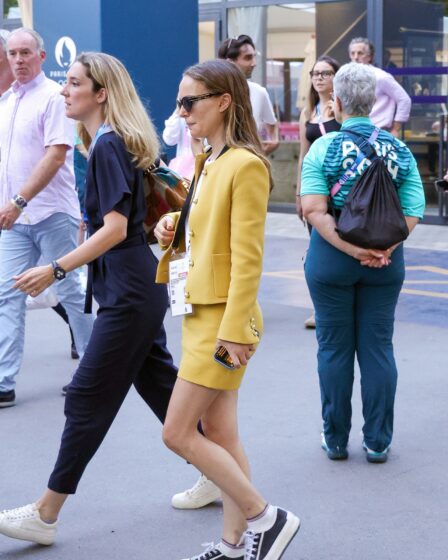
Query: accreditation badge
(179, 266)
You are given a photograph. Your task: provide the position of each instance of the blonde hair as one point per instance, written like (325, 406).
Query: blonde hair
(123, 109)
(221, 76)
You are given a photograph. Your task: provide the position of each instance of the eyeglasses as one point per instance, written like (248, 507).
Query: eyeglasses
(325, 74)
(188, 101)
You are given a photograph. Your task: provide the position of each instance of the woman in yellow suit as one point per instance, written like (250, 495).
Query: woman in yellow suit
(222, 239)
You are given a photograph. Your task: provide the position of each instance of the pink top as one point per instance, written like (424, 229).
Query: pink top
(33, 117)
(392, 102)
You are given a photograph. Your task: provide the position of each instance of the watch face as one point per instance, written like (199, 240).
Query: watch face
(59, 274)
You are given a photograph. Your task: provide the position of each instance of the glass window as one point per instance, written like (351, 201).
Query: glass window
(290, 41)
(207, 36)
(415, 52)
(11, 9)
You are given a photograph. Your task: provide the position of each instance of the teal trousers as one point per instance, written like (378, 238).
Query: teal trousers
(355, 308)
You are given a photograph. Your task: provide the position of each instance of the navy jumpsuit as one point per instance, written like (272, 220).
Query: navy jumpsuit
(128, 342)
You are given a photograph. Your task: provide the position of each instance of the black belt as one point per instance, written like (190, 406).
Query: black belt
(134, 241)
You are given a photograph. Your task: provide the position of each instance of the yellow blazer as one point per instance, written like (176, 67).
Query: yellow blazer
(226, 224)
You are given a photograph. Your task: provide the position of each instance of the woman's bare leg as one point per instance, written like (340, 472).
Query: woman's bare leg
(220, 424)
(189, 403)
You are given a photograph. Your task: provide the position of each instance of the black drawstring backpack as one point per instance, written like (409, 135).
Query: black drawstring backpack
(371, 217)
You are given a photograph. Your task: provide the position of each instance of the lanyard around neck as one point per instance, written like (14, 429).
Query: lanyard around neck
(319, 120)
(103, 129)
(180, 228)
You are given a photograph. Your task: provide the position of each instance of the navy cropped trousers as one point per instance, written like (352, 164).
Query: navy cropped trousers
(355, 307)
(127, 347)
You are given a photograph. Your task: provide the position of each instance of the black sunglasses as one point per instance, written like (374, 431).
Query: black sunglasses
(188, 101)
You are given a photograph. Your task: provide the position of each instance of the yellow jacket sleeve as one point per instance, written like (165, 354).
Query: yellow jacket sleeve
(250, 194)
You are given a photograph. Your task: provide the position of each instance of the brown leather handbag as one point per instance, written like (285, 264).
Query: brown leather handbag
(165, 191)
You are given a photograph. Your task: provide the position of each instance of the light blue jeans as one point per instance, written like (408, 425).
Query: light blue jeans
(20, 249)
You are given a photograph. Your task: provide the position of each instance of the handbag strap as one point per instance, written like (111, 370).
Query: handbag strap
(180, 228)
(365, 146)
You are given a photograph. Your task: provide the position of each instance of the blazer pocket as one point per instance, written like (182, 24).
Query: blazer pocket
(221, 274)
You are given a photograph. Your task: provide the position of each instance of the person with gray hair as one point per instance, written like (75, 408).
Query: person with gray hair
(355, 290)
(355, 85)
(39, 209)
(392, 106)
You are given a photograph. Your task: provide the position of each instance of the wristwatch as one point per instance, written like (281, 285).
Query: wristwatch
(19, 202)
(58, 272)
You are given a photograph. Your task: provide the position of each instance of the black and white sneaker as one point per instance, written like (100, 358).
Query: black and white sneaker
(220, 552)
(271, 543)
(7, 398)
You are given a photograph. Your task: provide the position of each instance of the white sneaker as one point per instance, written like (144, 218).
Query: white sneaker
(24, 523)
(310, 323)
(204, 492)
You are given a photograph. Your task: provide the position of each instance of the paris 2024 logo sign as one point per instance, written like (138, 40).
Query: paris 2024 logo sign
(65, 55)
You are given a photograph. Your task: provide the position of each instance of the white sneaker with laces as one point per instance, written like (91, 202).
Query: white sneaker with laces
(24, 523)
(204, 492)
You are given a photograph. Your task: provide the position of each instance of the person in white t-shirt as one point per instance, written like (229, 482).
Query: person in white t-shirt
(241, 51)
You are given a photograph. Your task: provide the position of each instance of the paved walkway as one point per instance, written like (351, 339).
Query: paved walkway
(350, 510)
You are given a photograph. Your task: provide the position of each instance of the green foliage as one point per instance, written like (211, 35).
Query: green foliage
(9, 4)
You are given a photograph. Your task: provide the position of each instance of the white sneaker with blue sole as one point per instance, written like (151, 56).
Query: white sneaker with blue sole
(376, 456)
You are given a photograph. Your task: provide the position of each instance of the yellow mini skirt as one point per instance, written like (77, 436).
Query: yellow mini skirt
(199, 334)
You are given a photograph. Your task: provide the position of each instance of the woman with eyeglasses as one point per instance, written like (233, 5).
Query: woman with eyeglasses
(316, 120)
(219, 237)
(128, 343)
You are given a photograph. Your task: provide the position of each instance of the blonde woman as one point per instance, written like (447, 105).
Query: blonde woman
(128, 340)
(222, 238)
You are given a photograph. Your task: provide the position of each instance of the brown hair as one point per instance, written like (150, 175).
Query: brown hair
(123, 109)
(230, 48)
(221, 76)
(313, 96)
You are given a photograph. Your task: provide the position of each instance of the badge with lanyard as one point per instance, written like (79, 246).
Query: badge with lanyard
(179, 265)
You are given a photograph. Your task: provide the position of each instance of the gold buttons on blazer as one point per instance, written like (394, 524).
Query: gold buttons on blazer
(255, 332)
(191, 233)
(191, 262)
(186, 294)
(204, 172)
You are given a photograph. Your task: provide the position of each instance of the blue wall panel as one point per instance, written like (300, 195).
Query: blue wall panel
(67, 31)
(156, 40)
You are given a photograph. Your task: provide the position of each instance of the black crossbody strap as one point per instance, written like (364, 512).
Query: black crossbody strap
(362, 144)
(180, 228)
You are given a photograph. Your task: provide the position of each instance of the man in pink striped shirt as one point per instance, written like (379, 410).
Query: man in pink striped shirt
(393, 105)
